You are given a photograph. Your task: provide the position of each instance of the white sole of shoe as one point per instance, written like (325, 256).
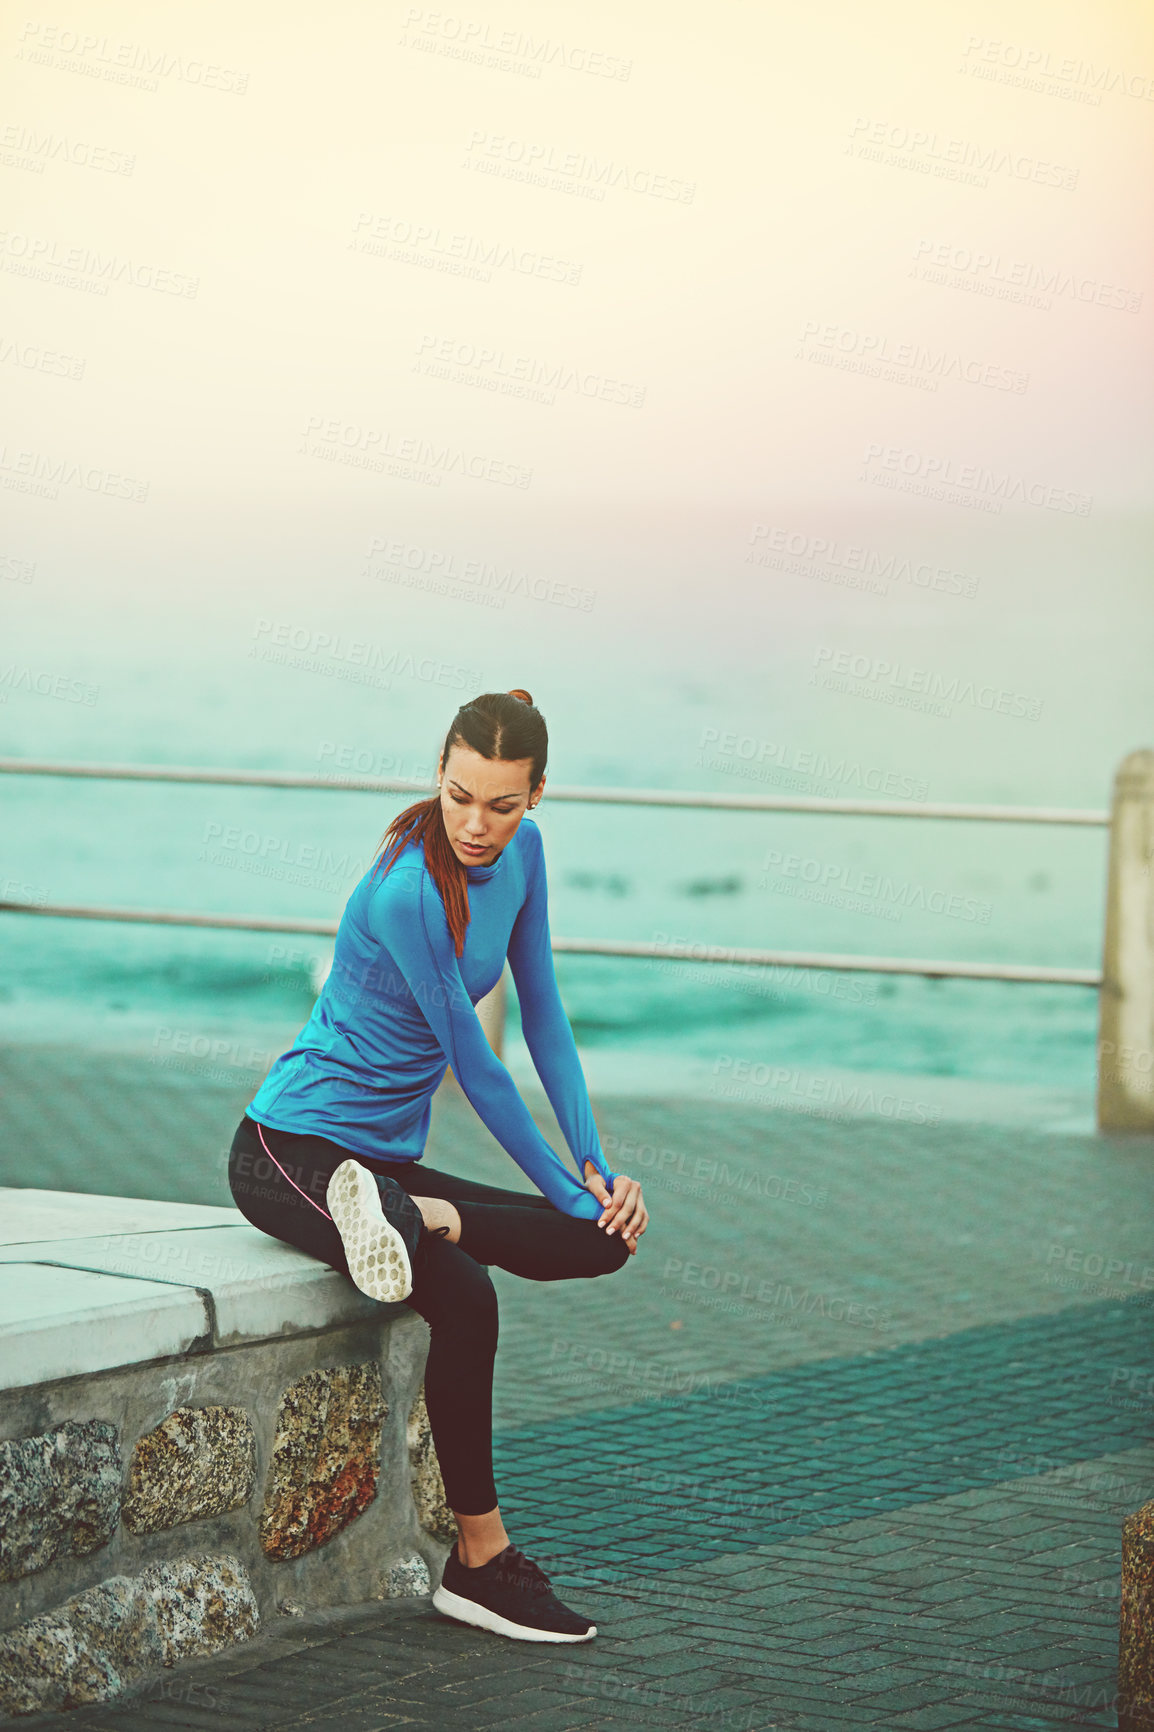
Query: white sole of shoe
(376, 1254)
(469, 1612)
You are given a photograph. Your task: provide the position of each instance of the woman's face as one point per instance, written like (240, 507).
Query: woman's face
(483, 800)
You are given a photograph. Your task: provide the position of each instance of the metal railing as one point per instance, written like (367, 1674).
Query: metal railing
(349, 784)
(1129, 821)
(705, 801)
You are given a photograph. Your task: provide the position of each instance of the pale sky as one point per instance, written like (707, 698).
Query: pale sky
(290, 287)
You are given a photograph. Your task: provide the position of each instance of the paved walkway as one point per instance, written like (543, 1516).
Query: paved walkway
(848, 1444)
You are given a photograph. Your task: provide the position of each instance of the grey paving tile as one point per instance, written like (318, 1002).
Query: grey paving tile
(909, 1541)
(359, 1717)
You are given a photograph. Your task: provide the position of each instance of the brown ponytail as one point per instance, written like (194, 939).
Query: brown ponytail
(497, 725)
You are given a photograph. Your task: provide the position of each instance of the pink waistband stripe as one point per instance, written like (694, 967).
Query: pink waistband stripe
(292, 1182)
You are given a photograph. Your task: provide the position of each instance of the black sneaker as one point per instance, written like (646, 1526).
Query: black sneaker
(380, 1227)
(511, 1595)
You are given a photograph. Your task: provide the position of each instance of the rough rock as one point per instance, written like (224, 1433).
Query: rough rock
(1136, 1624)
(96, 1643)
(433, 1510)
(409, 1579)
(326, 1457)
(199, 1462)
(85, 1651)
(59, 1495)
(202, 1604)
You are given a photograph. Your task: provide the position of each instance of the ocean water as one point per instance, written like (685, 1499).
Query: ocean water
(891, 886)
(729, 440)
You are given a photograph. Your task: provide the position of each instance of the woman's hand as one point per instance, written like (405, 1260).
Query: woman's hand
(624, 1211)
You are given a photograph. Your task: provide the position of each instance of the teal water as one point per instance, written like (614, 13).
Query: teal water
(891, 887)
(666, 575)
(689, 672)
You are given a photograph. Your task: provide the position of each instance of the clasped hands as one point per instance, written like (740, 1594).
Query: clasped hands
(624, 1211)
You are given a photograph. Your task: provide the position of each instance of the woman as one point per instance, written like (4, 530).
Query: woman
(328, 1154)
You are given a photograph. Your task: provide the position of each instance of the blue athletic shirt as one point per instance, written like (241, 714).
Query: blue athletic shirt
(398, 1007)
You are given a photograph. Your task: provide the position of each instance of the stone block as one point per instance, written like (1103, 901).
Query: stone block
(57, 1321)
(409, 1579)
(202, 1604)
(95, 1644)
(28, 1215)
(1136, 1624)
(59, 1495)
(259, 1287)
(199, 1462)
(326, 1457)
(433, 1510)
(264, 1288)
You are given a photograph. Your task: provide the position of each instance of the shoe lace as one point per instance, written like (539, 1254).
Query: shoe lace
(527, 1573)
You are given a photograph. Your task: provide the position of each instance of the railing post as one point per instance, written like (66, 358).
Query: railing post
(1126, 999)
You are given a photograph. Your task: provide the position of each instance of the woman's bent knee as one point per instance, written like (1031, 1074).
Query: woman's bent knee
(606, 1254)
(618, 1254)
(592, 1251)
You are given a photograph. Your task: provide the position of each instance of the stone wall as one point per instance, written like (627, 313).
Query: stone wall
(159, 1512)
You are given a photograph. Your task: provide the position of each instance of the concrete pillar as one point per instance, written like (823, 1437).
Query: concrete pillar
(1126, 1002)
(1136, 1627)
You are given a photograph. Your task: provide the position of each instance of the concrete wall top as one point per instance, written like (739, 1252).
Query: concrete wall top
(27, 1215)
(59, 1322)
(121, 1283)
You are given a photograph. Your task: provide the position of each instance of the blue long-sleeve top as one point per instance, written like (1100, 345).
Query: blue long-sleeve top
(398, 1007)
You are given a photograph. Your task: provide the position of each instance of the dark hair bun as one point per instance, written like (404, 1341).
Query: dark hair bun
(520, 692)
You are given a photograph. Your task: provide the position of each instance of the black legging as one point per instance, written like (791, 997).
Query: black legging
(451, 1290)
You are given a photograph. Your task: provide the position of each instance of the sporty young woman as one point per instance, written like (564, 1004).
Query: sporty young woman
(328, 1153)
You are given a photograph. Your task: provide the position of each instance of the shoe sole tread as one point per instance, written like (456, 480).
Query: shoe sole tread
(376, 1254)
